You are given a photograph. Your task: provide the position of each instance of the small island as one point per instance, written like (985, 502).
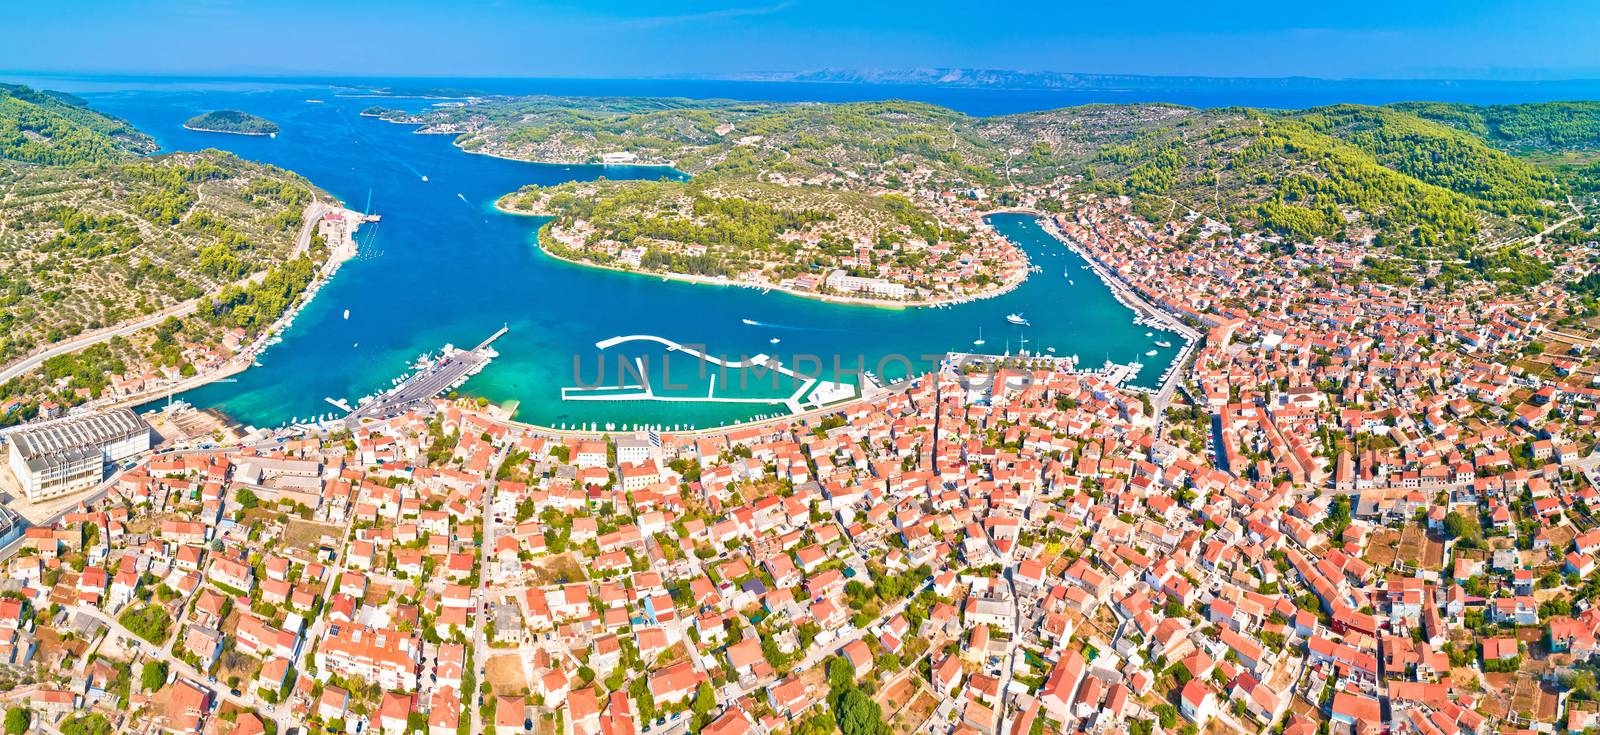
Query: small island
(232, 121)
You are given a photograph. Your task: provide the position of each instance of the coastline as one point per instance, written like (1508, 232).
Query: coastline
(1123, 293)
(273, 134)
(670, 165)
(1128, 296)
(1004, 288)
(338, 254)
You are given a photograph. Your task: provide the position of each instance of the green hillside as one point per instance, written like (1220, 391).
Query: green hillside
(93, 234)
(1540, 126)
(55, 128)
(232, 121)
(1417, 175)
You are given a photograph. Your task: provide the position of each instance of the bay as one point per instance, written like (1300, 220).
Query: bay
(444, 266)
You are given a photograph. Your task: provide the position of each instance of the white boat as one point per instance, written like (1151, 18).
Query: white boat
(1016, 319)
(774, 340)
(1163, 344)
(1151, 353)
(347, 313)
(979, 341)
(424, 177)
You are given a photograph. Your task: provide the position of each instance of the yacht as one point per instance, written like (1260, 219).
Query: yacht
(979, 341)
(1016, 319)
(1163, 344)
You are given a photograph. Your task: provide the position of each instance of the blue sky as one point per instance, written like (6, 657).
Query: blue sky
(611, 38)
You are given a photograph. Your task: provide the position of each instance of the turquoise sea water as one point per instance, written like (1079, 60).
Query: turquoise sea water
(444, 267)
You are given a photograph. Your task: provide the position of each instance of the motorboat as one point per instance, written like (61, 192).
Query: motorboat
(1016, 319)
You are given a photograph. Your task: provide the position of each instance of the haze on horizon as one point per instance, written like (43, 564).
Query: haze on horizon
(1469, 39)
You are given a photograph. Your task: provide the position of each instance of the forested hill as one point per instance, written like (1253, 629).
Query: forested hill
(232, 121)
(56, 128)
(93, 234)
(1342, 172)
(1544, 126)
(1420, 175)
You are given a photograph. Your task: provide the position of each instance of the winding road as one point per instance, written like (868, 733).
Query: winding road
(308, 223)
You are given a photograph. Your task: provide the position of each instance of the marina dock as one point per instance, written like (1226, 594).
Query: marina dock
(812, 392)
(446, 373)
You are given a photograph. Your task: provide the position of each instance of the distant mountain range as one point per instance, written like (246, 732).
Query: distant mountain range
(1054, 80)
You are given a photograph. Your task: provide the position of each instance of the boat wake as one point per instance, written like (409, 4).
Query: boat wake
(792, 327)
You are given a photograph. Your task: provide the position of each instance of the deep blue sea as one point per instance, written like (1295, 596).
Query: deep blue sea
(444, 267)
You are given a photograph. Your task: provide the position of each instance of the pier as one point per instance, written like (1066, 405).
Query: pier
(812, 393)
(448, 372)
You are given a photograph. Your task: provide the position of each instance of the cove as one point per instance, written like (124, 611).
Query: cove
(444, 266)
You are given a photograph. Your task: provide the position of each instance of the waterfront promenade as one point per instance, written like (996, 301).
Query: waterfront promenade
(1131, 298)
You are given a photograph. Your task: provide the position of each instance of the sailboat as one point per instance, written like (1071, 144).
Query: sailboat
(979, 341)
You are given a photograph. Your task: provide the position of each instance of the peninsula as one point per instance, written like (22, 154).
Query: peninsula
(821, 243)
(1423, 182)
(232, 121)
(124, 273)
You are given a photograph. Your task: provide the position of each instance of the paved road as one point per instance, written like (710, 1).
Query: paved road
(186, 671)
(85, 340)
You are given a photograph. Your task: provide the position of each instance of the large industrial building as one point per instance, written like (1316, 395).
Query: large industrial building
(65, 456)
